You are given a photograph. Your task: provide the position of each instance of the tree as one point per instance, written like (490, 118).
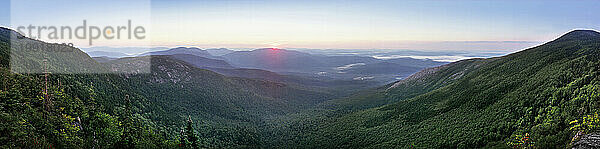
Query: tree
(188, 136)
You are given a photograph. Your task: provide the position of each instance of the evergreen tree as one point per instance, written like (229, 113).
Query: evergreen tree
(182, 139)
(191, 136)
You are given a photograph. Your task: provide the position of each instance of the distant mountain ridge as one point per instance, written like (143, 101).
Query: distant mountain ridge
(273, 59)
(126, 50)
(107, 54)
(290, 61)
(299, 63)
(180, 50)
(202, 62)
(219, 51)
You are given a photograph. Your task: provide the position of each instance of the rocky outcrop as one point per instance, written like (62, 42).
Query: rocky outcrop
(588, 141)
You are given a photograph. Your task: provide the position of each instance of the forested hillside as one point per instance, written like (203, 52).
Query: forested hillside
(540, 97)
(66, 111)
(132, 108)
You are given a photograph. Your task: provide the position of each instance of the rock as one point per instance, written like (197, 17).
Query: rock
(588, 141)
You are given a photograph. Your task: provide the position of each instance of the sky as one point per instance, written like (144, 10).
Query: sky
(319, 24)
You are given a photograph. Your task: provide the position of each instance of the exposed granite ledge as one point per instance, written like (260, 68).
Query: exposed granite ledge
(588, 141)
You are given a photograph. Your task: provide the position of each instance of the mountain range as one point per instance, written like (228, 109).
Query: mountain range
(296, 63)
(124, 102)
(183, 50)
(542, 97)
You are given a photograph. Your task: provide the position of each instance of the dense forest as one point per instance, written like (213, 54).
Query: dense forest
(543, 97)
(81, 108)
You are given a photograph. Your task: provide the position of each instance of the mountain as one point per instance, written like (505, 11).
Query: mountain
(344, 60)
(379, 68)
(337, 67)
(219, 51)
(103, 59)
(537, 97)
(265, 75)
(107, 54)
(338, 88)
(333, 85)
(416, 84)
(27, 55)
(274, 60)
(225, 105)
(64, 109)
(124, 106)
(546, 96)
(183, 50)
(188, 83)
(202, 62)
(290, 62)
(130, 51)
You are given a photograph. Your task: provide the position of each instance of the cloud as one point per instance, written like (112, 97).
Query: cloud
(441, 58)
(345, 67)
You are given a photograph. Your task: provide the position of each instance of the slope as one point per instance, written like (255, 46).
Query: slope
(535, 92)
(27, 55)
(235, 107)
(142, 110)
(202, 62)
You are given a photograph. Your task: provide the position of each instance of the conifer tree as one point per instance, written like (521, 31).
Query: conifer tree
(191, 136)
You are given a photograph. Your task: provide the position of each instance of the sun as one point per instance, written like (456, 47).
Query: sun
(274, 46)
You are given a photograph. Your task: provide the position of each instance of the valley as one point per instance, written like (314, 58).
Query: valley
(277, 98)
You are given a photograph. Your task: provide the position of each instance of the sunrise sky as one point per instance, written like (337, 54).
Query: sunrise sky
(421, 25)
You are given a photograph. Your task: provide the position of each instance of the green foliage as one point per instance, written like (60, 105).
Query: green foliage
(188, 137)
(491, 103)
(521, 142)
(587, 124)
(90, 110)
